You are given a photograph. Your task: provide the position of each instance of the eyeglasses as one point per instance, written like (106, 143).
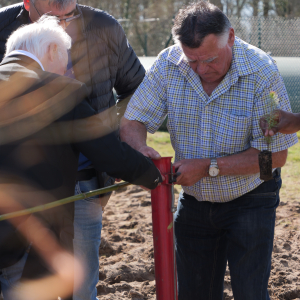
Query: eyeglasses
(67, 20)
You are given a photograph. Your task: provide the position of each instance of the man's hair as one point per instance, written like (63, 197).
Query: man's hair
(196, 21)
(37, 37)
(59, 4)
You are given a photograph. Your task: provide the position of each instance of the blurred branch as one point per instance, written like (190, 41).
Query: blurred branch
(63, 201)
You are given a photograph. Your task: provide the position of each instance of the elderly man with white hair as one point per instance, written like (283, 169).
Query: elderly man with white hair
(46, 121)
(102, 58)
(47, 44)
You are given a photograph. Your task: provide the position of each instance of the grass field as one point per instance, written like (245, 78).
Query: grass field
(290, 190)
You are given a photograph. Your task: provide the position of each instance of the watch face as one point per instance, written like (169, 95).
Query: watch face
(213, 171)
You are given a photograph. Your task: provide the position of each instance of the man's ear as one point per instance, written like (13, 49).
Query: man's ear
(27, 4)
(231, 37)
(52, 52)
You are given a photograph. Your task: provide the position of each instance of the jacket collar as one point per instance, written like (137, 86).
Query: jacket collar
(22, 60)
(23, 15)
(28, 54)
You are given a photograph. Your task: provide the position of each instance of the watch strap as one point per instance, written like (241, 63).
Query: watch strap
(213, 162)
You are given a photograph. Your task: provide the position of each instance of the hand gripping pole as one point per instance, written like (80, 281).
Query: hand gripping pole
(162, 199)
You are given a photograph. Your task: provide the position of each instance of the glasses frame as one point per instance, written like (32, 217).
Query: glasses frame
(67, 20)
(35, 8)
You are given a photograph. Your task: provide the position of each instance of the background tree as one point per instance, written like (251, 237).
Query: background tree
(287, 8)
(148, 23)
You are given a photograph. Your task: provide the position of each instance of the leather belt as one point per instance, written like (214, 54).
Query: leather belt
(86, 174)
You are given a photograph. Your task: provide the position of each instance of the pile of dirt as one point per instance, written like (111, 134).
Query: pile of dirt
(126, 252)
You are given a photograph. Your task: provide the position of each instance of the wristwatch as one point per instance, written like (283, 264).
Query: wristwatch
(213, 170)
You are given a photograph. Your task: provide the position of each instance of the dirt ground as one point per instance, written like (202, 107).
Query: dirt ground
(126, 252)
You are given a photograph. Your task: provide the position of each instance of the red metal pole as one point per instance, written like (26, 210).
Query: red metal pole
(162, 220)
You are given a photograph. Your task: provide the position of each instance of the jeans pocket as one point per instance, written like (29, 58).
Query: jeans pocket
(267, 201)
(261, 195)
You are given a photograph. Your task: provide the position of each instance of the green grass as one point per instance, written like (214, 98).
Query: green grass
(160, 141)
(290, 190)
(291, 175)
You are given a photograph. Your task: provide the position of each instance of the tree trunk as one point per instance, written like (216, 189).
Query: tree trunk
(255, 8)
(266, 8)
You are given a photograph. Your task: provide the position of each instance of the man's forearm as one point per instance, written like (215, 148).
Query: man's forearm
(246, 162)
(134, 133)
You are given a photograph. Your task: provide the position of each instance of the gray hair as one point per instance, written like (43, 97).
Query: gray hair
(37, 37)
(60, 4)
(196, 21)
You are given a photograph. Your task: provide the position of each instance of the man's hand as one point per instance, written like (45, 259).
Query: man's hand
(287, 123)
(192, 170)
(149, 152)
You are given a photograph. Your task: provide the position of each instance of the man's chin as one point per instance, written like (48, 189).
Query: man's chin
(208, 78)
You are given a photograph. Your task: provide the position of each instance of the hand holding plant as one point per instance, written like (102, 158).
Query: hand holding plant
(269, 122)
(288, 123)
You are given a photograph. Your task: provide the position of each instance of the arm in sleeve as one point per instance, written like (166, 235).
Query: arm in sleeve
(108, 154)
(262, 107)
(130, 71)
(148, 105)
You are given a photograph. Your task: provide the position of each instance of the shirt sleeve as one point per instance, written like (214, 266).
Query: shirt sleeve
(148, 105)
(262, 107)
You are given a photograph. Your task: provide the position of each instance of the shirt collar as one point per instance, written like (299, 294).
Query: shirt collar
(175, 55)
(240, 58)
(26, 53)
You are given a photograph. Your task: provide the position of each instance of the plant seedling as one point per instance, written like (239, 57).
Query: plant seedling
(265, 156)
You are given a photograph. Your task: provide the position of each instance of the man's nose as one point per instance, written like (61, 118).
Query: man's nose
(201, 68)
(63, 24)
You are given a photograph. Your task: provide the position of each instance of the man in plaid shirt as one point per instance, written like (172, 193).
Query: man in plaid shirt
(214, 87)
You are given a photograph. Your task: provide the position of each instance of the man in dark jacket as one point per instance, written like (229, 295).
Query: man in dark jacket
(102, 58)
(44, 126)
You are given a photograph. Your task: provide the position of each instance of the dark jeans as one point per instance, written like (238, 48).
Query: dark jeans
(240, 232)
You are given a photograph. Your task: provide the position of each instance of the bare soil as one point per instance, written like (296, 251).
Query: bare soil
(126, 252)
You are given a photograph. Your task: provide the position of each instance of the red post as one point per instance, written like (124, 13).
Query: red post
(162, 220)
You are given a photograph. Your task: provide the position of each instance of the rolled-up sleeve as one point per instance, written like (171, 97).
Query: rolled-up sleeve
(148, 105)
(262, 107)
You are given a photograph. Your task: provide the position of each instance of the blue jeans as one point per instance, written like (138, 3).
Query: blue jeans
(10, 276)
(240, 232)
(87, 235)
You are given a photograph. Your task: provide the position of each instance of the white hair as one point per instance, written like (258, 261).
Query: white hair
(37, 37)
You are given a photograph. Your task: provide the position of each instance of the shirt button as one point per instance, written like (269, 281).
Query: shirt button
(206, 107)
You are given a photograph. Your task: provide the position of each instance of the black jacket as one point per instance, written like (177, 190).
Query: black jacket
(102, 57)
(44, 125)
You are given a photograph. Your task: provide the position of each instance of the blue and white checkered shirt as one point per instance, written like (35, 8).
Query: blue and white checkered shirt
(225, 123)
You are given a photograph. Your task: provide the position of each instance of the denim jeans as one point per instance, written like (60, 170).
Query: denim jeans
(240, 232)
(11, 275)
(87, 235)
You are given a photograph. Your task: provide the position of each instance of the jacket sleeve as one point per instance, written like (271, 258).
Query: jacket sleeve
(130, 71)
(11, 18)
(108, 154)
